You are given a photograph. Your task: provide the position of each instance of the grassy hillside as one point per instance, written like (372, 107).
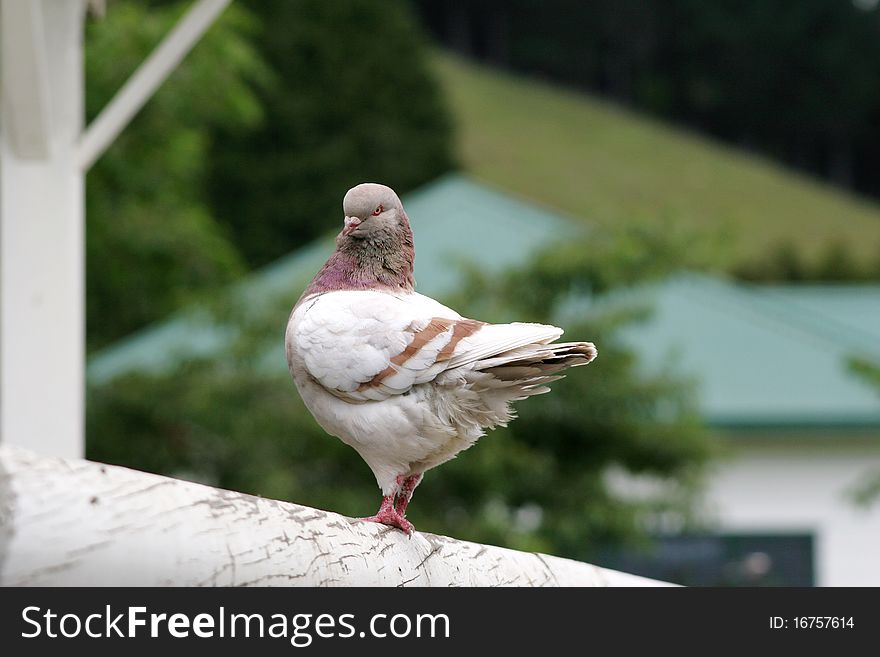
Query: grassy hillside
(595, 160)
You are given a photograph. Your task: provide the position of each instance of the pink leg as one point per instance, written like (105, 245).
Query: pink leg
(388, 515)
(404, 495)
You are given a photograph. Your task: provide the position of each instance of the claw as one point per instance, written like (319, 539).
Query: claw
(388, 515)
(393, 519)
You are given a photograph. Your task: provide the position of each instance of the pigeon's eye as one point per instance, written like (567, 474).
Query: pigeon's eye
(379, 209)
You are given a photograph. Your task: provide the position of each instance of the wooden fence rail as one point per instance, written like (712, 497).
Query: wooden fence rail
(74, 522)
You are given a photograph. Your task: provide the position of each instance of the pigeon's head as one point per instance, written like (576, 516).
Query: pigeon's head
(373, 211)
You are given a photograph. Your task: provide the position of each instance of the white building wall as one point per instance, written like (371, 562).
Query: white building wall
(803, 486)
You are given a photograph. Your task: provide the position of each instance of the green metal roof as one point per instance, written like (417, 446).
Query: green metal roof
(763, 355)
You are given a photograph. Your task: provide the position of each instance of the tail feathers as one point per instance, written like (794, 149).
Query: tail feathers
(544, 356)
(526, 371)
(494, 382)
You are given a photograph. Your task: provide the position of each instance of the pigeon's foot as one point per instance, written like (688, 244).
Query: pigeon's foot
(388, 515)
(394, 519)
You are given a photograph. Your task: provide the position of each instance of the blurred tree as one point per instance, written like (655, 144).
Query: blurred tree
(795, 78)
(356, 102)
(560, 479)
(785, 264)
(152, 243)
(837, 264)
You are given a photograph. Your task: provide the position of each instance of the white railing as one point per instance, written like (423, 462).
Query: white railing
(74, 522)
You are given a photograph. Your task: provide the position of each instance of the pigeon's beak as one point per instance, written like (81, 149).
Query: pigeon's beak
(351, 224)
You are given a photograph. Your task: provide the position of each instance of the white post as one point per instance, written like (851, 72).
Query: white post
(43, 159)
(42, 325)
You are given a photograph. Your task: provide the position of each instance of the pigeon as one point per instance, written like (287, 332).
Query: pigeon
(404, 380)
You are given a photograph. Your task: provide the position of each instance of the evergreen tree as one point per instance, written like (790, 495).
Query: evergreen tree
(152, 243)
(355, 102)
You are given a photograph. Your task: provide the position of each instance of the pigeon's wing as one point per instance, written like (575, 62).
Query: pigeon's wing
(347, 339)
(368, 345)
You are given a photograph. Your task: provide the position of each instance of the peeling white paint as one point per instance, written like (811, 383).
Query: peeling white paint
(69, 522)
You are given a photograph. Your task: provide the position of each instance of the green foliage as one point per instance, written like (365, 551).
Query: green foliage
(868, 370)
(152, 243)
(355, 102)
(550, 482)
(785, 264)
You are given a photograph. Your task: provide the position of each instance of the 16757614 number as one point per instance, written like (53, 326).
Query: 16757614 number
(812, 622)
